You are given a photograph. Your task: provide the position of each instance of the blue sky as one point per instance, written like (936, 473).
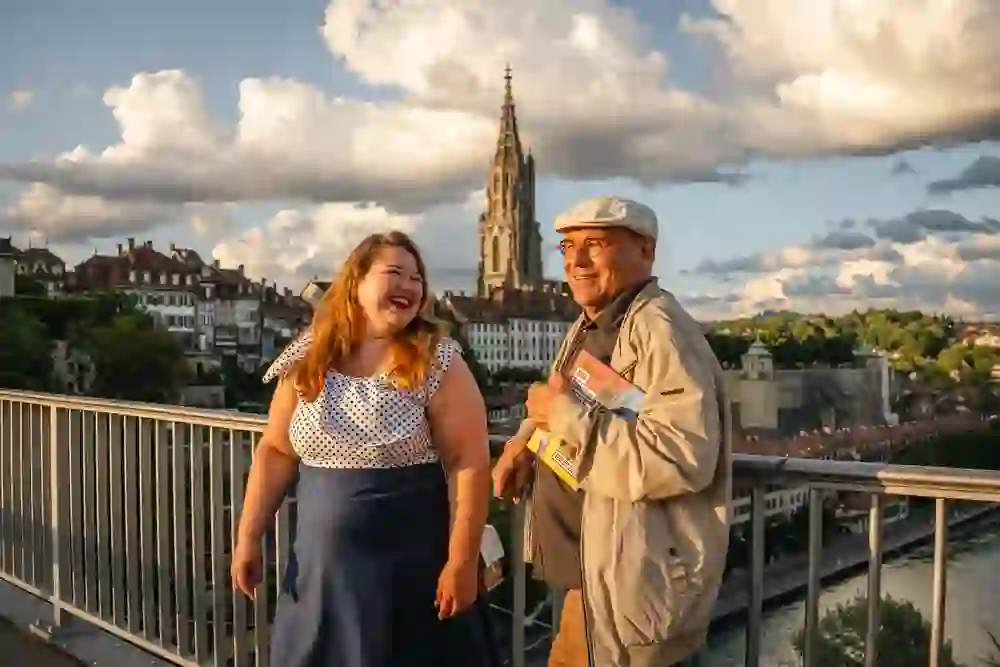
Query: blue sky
(58, 58)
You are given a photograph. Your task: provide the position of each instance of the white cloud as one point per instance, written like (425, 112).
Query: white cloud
(291, 142)
(212, 222)
(295, 246)
(20, 99)
(863, 74)
(934, 273)
(594, 95)
(45, 212)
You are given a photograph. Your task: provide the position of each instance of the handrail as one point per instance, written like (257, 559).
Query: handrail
(885, 478)
(106, 504)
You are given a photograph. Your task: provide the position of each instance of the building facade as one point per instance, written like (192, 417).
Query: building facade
(772, 401)
(8, 267)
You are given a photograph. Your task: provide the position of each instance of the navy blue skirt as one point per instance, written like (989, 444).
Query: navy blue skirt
(361, 582)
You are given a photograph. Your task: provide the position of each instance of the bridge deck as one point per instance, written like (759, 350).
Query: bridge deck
(20, 649)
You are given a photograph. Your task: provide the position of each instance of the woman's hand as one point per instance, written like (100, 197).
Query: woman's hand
(247, 569)
(458, 587)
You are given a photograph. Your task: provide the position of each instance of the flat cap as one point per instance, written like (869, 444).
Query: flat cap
(609, 212)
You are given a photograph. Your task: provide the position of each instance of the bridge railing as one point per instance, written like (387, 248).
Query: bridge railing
(123, 515)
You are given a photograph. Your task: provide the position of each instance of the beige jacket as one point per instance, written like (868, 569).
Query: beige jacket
(655, 527)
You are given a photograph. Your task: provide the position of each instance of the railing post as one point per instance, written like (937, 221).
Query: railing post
(940, 579)
(874, 579)
(758, 555)
(517, 644)
(813, 590)
(46, 630)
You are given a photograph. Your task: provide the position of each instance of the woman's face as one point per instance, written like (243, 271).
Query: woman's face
(391, 292)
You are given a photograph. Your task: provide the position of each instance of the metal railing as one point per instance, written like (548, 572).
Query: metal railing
(121, 514)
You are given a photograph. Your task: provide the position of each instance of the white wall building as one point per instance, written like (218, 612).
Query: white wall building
(519, 329)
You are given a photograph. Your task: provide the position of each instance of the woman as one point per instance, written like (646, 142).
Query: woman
(377, 414)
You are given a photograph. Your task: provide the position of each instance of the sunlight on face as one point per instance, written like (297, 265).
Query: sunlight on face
(601, 263)
(391, 292)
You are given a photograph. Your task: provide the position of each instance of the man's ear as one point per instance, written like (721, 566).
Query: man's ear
(649, 250)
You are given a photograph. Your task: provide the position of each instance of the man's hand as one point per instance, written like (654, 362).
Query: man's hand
(512, 471)
(540, 395)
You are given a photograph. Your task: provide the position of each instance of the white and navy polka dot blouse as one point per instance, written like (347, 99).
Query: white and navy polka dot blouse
(363, 422)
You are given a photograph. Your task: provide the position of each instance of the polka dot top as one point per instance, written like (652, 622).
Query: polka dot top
(363, 422)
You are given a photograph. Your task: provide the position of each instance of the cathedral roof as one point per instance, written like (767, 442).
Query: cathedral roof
(506, 304)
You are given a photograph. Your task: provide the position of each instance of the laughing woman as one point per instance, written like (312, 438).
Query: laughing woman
(376, 414)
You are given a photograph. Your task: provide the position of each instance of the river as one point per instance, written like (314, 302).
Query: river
(973, 601)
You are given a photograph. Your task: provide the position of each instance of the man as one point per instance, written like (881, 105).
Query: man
(641, 547)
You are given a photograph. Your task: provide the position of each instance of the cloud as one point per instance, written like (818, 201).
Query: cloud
(212, 222)
(291, 142)
(862, 77)
(917, 225)
(43, 211)
(826, 77)
(845, 239)
(958, 276)
(295, 246)
(984, 172)
(902, 167)
(20, 99)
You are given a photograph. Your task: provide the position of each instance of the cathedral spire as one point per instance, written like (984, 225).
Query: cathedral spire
(510, 243)
(508, 98)
(509, 141)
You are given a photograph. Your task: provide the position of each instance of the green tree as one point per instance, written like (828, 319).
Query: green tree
(25, 352)
(903, 639)
(135, 361)
(27, 286)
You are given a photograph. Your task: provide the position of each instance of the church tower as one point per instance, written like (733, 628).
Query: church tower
(510, 243)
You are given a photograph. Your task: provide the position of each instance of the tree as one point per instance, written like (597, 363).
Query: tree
(27, 286)
(135, 361)
(25, 352)
(903, 638)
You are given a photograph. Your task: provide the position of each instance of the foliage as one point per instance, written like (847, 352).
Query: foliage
(67, 318)
(914, 342)
(25, 352)
(28, 286)
(134, 360)
(903, 638)
(242, 386)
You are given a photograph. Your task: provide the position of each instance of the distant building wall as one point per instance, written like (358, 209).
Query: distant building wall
(8, 268)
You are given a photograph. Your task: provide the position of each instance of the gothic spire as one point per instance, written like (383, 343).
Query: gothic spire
(509, 141)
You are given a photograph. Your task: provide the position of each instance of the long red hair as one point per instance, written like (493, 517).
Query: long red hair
(338, 324)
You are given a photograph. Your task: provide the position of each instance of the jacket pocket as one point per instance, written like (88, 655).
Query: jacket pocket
(655, 585)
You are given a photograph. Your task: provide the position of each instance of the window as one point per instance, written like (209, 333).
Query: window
(496, 254)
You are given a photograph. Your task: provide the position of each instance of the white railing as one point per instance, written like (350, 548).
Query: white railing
(121, 514)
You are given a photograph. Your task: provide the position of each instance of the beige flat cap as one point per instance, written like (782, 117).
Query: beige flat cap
(609, 212)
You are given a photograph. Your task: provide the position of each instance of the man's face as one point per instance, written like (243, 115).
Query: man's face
(601, 263)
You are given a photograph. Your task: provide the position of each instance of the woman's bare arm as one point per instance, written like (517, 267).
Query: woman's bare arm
(274, 466)
(457, 416)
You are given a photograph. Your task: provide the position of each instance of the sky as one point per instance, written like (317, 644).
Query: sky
(811, 155)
